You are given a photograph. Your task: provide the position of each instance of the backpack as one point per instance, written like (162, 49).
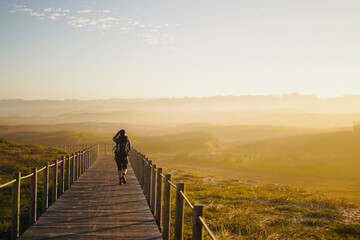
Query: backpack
(122, 148)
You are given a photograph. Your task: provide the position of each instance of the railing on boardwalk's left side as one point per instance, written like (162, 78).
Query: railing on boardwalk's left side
(64, 173)
(156, 187)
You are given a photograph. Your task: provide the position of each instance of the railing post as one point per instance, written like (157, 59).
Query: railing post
(33, 195)
(92, 155)
(149, 182)
(137, 160)
(45, 193)
(62, 175)
(158, 196)
(83, 161)
(141, 165)
(71, 159)
(98, 150)
(15, 217)
(87, 159)
(153, 189)
(166, 208)
(179, 212)
(55, 181)
(146, 164)
(197, 233)
(76, 161)
(138, 164)
(68, 175)
(79, 165)
(82, 168)
(73, 169)
(89, 154)
(133, 163)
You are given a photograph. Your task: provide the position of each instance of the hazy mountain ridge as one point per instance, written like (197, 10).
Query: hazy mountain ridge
(258, 117)
(294, 102)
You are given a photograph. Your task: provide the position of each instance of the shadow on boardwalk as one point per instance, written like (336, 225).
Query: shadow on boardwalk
(96, 207)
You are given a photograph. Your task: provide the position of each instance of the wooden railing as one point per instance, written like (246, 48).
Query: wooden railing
(64, 173)
(157, 189)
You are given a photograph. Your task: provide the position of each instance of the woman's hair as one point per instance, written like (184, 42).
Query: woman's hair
(122, 132)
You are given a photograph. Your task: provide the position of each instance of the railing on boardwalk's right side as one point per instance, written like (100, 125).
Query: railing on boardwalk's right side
(151, 180)
(64, 173)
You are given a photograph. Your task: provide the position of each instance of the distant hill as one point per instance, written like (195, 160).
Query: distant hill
(184, 142)
(285, 110)
(341, 143)
(297, 102)
(258, 117)
(51, 138)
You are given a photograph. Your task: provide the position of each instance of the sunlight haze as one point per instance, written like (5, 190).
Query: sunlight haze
(146, 49)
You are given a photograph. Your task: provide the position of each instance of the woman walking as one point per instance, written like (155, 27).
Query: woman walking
(122, 149)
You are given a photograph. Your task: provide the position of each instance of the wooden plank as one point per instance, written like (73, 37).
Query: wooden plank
(96, 207)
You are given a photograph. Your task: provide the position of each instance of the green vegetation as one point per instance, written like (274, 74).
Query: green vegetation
(247, 210)
(188, 141)
(326, 162)
(52, 138)
(269, 166)
(20, 158)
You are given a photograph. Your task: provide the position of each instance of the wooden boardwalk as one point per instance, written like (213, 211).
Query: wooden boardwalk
(96, 207)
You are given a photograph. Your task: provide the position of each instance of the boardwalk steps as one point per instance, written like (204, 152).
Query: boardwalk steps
(96, 207)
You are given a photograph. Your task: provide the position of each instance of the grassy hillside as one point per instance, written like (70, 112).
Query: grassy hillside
(48, 138)
(169, 143)
(89, 132)
(184, 142)
(232, 134)
(328, 162)
(247, 210)
(14, 158)
(339, 142)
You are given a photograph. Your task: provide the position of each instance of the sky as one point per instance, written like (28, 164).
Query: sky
(88, 49)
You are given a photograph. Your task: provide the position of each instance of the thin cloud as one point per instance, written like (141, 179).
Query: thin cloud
(148, 32)
(56, 10)
(105, 23)
(55, 16)
(62, 10)
(18, 6)
(78, 22)
(24, 10)
(36, 14)
(105, 26)
(108, 19)
(84, 11)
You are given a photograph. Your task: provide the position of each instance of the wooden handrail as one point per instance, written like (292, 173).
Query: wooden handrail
(209, 232)
(146, 172)
(27, 176)
(8, 183)
(186, 200)
(85, 158)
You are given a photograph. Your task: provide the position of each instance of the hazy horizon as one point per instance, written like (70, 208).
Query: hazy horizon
(185, 97)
